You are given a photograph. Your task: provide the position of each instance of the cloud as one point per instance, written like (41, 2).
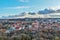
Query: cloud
(18, 7)
(55, 7)
(24, 0)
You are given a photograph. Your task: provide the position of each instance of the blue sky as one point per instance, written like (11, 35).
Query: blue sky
(12, 7)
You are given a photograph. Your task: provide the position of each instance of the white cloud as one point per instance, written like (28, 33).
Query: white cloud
(18, 7)
(24, 0)
(55, 7)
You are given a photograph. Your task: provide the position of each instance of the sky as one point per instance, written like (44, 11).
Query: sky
(14, 7)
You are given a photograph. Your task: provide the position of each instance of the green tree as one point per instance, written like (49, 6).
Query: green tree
(25, 37)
